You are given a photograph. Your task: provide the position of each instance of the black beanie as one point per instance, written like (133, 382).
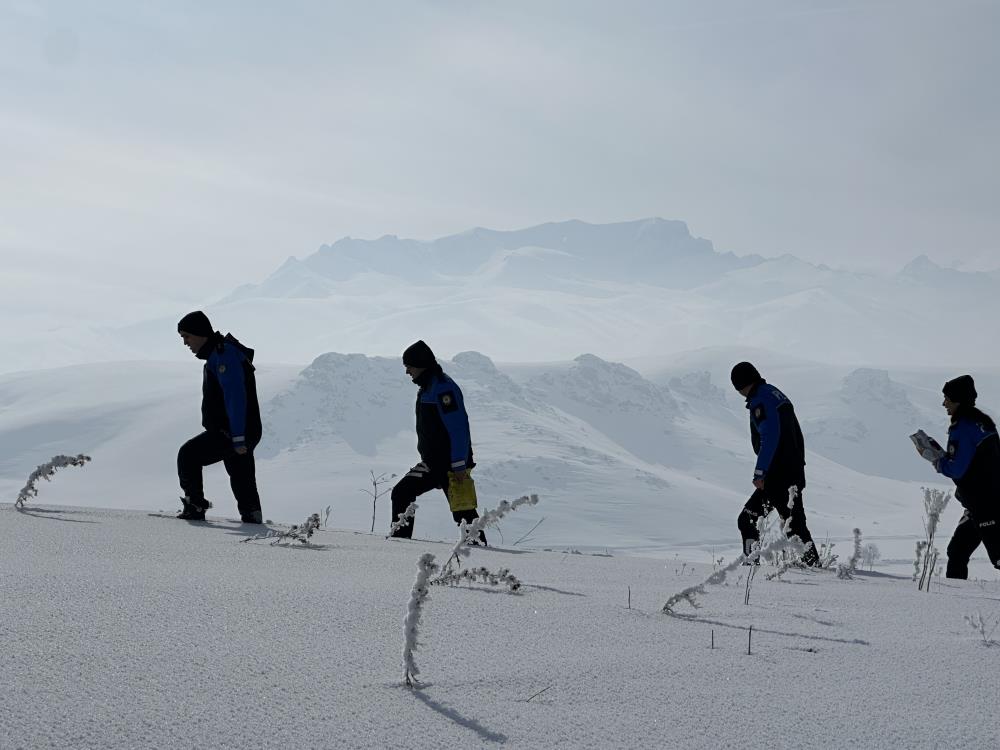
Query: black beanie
(196, 323)
(419, 355)
(744, 374)
(961, 390)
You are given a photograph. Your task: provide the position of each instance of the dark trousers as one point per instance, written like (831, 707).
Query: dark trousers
(418, 480)
(761, 503)
(969, 534)
(210, 448)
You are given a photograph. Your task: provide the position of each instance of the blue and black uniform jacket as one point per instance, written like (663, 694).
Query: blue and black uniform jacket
(229, 391)
(443, 438)
(973, 462)
(777, 438)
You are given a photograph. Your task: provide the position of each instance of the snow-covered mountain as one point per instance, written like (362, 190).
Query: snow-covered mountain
(659, 251)
(620, 291)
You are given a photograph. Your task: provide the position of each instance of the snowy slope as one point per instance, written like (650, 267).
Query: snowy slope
(123, 632)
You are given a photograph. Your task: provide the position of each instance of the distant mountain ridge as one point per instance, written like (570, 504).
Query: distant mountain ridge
(663, 252)
(621, 291)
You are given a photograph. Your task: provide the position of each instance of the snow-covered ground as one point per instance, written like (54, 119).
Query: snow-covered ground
(123, 630)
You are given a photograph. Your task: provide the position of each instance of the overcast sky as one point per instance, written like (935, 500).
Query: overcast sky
(178, 149)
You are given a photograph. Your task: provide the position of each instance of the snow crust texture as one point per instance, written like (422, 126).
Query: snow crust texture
(123, 630)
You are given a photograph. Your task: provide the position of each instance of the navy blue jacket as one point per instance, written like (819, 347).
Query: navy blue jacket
(973, 462)
(443, 438)
(777, 438)
(229, 391)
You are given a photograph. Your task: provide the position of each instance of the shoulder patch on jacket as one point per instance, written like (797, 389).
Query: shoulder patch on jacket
(448, 401)
(759, 413)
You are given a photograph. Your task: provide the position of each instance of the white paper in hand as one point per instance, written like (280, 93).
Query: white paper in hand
(927, 446)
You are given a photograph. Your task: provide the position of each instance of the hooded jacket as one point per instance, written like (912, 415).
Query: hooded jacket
(973, 462)
(229, 391)
(776, 437)
(443, 438)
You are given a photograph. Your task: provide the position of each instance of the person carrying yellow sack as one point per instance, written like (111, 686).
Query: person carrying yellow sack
(444, 443)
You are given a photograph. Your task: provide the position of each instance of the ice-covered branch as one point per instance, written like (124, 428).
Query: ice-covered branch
(484, 575)
(690, 594)
(427, 567)
(45, 471)
(301, 533)
(469, 532)
(420, 593)
(846, 572)
(935, 502)
(404, 519)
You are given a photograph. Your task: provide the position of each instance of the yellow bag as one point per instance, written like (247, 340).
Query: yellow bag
(461, 495)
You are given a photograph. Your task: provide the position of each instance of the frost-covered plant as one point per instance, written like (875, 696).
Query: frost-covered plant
(870, 555)
(45, 471)
(469, 532)
(427, 567)
(325, 516)
(827, 558)
(986, 627)
(404, 519)
(918, 559)
(935, 502)
(690, 594)
(846, 572)
(419, 594)
(377, 490)
(476, 575)
(301, 533)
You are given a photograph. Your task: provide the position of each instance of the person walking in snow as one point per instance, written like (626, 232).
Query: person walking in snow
(230, 415)
(444, 441)
(779, 476)
(972, 461)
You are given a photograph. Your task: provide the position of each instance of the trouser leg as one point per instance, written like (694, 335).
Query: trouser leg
(990, 533)
(243, 479)
(417, 481)
(756, 507)
(963, 543)
(468, 516)
(198, 452)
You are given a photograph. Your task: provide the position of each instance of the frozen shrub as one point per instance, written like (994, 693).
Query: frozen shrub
(935, 502)
(690, 594)
(427, 567)
(870, 555)
(45, 471)
(846, 572)
(301, 533)
(984, 626)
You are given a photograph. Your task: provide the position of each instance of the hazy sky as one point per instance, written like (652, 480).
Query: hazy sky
(177, 149)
